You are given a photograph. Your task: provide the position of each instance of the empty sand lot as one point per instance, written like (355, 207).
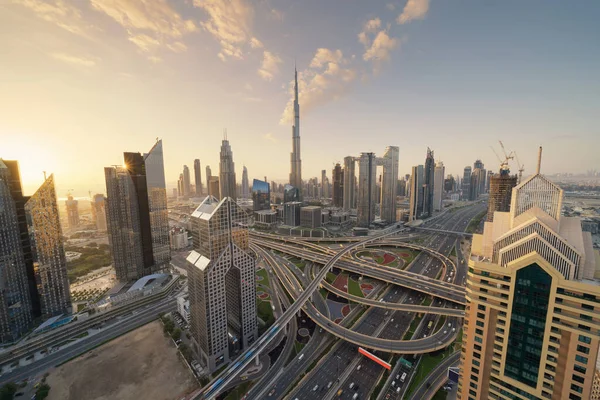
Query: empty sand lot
(142, 364)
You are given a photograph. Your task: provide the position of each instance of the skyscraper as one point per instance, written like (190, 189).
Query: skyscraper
(198, 177)
(32, 257)
(221, 275)
(261, 195)
(208, 174)
(180, 189)
(296, 160)
(349, 183)
(19, 300)
(137, 214)
(324, 184)
(337, 176)
(245, 184)
(367, 189)
(501, 186)
(186, 181)
(438, 186)
(416, 193)
(99, 211)
(389, 183)
(531, 326)
(466, 183)
(49, 260)
(214, 187)
(227, 171)
(428, 184)
(72, 212)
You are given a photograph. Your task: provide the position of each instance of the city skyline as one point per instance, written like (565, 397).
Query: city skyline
(422, 89)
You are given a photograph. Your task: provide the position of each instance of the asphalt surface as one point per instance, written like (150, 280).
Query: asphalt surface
(436, 379)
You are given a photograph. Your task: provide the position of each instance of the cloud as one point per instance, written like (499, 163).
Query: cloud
(327, 79)
(150, 24)
(248, 86)
(269, 136)
(270, 65)
(379, 48)
(276, 15)
(57, 12)
(255, 43)
(414, 9)
(74, 60)
(390, 6)
(230, 22)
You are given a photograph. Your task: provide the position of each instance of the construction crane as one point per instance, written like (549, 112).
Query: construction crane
(521, 166)
(504, 167)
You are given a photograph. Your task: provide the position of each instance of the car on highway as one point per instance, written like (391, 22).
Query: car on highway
(271, 392)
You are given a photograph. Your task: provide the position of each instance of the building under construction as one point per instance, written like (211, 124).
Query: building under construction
(501, 186)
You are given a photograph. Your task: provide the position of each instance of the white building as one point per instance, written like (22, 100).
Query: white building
(438, 186)
(178, 238)
(183, 307)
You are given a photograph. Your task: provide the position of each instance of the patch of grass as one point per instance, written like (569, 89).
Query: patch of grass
(364, 254)
(265, 312)
(428, 362)
(413, 326)
(378, 259)
(323, 292)
(330, 277)
(354, 288)
(92, 258)
(298, 347)
(440, 395)
(263, 273)
(453, 252)
(474, 223)
(427, 302)
(239, 391)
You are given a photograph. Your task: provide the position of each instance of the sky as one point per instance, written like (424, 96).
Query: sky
(82, 81)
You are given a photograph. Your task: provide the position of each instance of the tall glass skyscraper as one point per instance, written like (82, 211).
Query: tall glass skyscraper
(137, 216)
(261, 196)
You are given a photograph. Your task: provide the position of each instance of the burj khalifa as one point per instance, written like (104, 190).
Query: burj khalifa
(296, 161)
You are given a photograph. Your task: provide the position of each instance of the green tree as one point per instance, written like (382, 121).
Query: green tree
(42, 391)
(176, 334)
(8, 391)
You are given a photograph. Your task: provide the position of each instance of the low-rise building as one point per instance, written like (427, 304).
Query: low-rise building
(183, 307)
(178, 238)
(310, 217)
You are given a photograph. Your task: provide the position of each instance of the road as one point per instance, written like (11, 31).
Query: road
(436, 378)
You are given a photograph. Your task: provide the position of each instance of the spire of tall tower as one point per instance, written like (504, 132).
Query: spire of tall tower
(295, 84)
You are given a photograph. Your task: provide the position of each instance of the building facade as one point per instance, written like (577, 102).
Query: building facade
(245, 184)
(367, 189)
(227, 180)
(501, 186)
(389, 184)
(198, 177)
(438, 186)
(261, 195)
(349, 183)
(187, 184)
(99, 212)
(137, 216)
(310, 217)
(337, 176)
(72, 206)
(49, 260)
(295, 156)
(466, 183)
(416, 193)
(214, 187)
(428, 184)
(221, 276)
(532, 326)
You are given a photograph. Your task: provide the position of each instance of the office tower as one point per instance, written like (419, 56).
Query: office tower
(324, 184)
(477, 185)
(221, 281)
(208, 174)
(310, 217)
(389, 183)
(416, 193)
(401, 188)
(367, 188)
(501, 186)
(449, 184)
(337, 175)
(531, 327)
(428, 184)
(99, 212)
(72, 212)
(186, 181)
(349, 183)
(227, 171)
(466, 183)
(490, 173)
(214, 187)
(438, 186)
(291, 213)
(245, 184)
(19, 300)
(290, 194)
(198, 177)
(137, 216)
(49, 260)
(295, 158)
(180, 186)
(261, 195)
